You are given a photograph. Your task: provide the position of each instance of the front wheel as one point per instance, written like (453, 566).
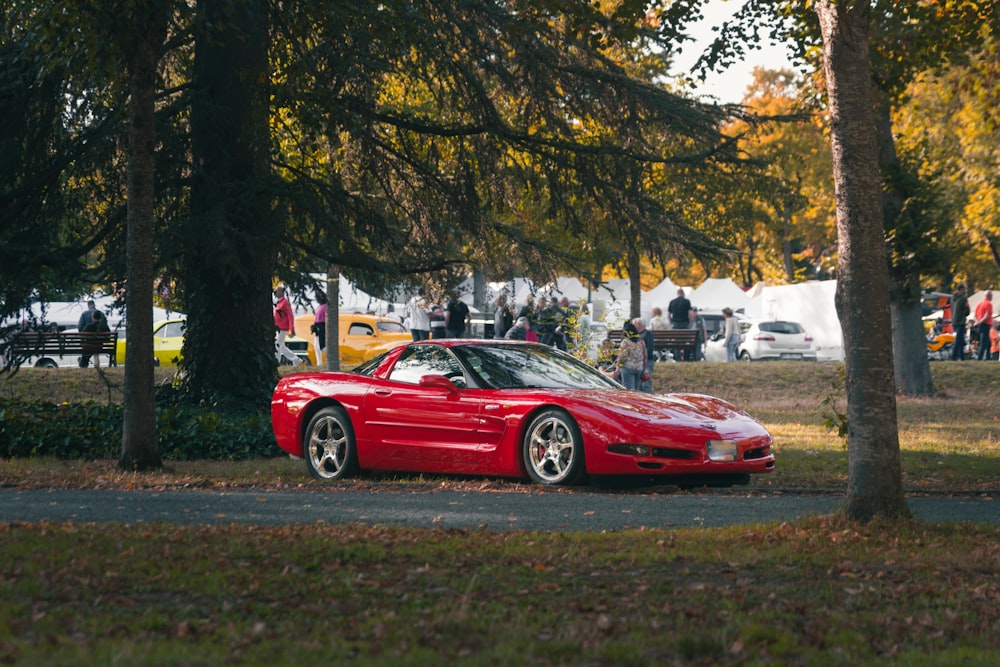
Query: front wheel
(553, 449)
(329, 445)
(46, 363)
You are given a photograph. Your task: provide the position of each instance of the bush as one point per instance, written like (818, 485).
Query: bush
(92, 431)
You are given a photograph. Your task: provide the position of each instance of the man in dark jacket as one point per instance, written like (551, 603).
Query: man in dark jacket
(959, 315)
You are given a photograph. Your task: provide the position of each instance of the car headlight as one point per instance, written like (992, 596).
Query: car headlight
(722, 450)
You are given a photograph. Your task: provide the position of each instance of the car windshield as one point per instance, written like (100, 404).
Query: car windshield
(781, 327)
(528, 366)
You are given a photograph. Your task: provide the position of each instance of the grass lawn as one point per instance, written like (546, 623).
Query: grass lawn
(815, 592)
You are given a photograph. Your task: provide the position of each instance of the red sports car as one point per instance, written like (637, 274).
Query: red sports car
(508, 409)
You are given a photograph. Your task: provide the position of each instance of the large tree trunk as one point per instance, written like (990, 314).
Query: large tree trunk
(912, 368)
(874, 485)
(140, 450)
(635, 282)
(231, 241)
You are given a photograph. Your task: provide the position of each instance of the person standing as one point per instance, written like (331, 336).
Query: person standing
(959, 315)
(416, 312)
(319, 330)
(995, 342)
(97, 325)
(458, 317)
(390, 312)
(679, 311)
(631, 357)
(87, 316)
(503, 318)
(732, 335)
(984, 322)
(679, 314)
(698, 324)
(649, 341)
(528, 309)
(284, 322)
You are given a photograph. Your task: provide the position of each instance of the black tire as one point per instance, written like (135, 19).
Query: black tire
(745, 356)
(46, 363)
(329, 446)
(552, 449)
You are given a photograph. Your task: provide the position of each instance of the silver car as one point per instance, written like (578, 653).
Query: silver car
(776, 339)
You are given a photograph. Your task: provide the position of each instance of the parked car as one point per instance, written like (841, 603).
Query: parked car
(361, 336)
(510, 409)
(168, 337)
(776, 339)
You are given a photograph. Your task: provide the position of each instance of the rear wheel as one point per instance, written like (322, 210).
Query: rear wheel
(745, 356)
(553, 449)
(46, 363)
(329, 445)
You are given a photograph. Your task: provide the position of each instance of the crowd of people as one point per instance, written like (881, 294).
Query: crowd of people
(980, 333)
(561, 324)
(548, 320)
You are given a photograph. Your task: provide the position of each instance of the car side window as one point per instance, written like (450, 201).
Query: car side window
(391, 327)
(173, 330)
(359, 329)
(421, 360)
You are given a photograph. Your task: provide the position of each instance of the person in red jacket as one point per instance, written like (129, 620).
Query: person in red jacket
(983, 325)
(284, 322)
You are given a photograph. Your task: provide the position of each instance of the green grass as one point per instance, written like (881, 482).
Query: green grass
(819, 591)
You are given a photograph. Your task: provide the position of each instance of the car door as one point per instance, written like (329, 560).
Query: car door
(413, 421)
(355, 337)
(167, 341)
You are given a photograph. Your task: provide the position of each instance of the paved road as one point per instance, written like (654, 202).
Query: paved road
(576, 510)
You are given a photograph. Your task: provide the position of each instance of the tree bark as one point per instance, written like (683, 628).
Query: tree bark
(912, 367)
(140, 450)
(231, 240)
(874, 486)
(635, 282)
(332, 317)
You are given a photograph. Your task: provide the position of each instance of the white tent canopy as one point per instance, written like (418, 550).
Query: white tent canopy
(719, 293)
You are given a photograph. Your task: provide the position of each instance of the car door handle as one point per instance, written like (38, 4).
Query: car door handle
(383, 392)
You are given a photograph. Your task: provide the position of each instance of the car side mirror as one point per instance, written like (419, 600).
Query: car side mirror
(437, 382)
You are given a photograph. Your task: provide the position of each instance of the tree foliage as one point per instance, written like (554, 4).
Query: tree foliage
(388, 139)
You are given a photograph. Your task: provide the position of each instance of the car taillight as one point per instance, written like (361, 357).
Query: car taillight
(764, 337)
(809, 339)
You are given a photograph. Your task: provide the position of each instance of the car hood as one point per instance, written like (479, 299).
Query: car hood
(663, 407)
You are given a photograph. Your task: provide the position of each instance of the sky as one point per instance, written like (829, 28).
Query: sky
(730, 85)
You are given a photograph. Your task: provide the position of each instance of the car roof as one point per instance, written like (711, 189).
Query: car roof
(480, 342)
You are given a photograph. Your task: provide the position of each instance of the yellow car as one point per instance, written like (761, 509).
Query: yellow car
(168, 337)
(361, 336)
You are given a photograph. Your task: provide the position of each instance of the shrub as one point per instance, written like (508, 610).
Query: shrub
(92, 431)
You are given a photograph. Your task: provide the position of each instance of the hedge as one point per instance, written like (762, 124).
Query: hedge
(94, 431)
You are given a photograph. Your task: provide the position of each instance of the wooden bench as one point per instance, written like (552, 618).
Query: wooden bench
(666, 340)
(45, 345)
